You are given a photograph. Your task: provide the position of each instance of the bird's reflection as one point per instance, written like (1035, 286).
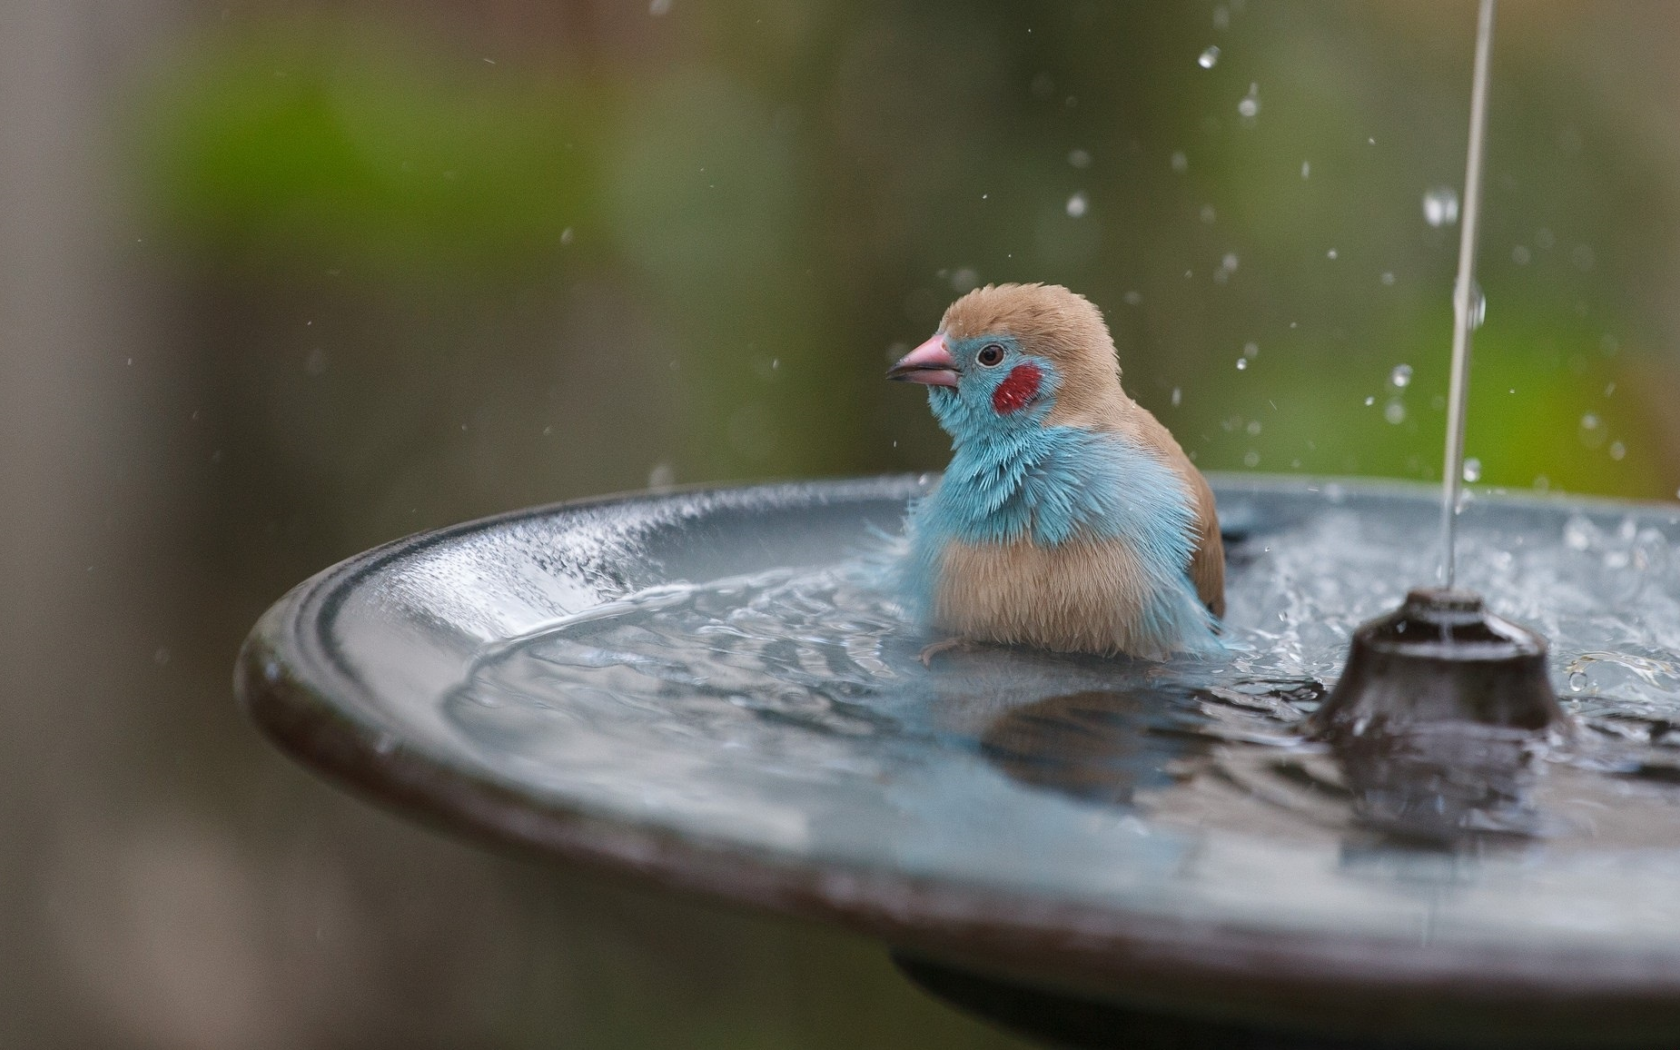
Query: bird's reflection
(1097, 745)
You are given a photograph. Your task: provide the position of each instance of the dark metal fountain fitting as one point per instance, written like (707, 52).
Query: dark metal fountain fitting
(1440, 659)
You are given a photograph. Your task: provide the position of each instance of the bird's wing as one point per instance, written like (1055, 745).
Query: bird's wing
(1207, 563)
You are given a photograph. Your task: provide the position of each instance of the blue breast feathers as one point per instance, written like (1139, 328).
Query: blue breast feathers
(1053, 484)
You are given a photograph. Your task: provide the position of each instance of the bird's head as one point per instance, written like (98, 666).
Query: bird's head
(1017, 355)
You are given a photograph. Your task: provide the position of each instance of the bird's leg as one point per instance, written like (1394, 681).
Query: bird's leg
(936, 648)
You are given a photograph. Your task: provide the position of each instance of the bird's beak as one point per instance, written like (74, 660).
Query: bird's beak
(929, 364)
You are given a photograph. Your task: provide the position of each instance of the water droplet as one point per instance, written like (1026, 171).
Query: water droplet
(1306, 169)
(1440, 206)
(1577, 681)
(659, 7)
(1331, 254)
(1254, 427)
(1521, 255)
(1478, 308)
(566, 235)
(1472, 470)
(1401, 377)
(1179, 161)
(1209, 58)
(662, 476)
(1617, 450)
(1221, 17)
(1542, 483)
(1251, 350)
(1395, 411)
(1079, 159)
(1543, 238)
(1076, 205)
(1242, 364)
(1252, 459)
(1177, 396)
(1132, 298)
(1370, 401)
(1229, 262)
(1592, 431)
(1249, 106)
(1208, 214)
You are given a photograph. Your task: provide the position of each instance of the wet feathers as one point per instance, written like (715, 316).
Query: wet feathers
(1068, 518)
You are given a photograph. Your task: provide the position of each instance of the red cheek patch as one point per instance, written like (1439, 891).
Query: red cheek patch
(1017, 390)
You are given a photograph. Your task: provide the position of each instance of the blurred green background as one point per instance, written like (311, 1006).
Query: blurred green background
(282, 280)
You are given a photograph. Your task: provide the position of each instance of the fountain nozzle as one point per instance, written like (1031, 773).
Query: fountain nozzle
(1438, 718)
(1441, 658)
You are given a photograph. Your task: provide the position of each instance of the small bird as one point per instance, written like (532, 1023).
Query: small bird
(1069, 519)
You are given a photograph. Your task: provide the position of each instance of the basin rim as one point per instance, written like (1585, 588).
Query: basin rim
(318, 712)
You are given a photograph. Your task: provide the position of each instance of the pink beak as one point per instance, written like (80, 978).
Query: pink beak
(929, 364)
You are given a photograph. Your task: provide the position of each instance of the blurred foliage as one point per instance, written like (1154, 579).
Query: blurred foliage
(311, 145)
(784, 192)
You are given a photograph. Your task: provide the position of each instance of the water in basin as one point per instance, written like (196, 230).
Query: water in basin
(789, 709)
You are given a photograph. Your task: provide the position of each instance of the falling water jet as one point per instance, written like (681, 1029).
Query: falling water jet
(1465, 311)
(1423, 684)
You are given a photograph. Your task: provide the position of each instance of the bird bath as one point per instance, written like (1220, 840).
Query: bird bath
(703, 690)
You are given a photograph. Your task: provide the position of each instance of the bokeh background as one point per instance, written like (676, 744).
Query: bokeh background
(281, 280)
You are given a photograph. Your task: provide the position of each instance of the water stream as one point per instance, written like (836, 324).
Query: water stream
(1466, 307)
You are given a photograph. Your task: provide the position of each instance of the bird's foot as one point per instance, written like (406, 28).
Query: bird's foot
(936, 648)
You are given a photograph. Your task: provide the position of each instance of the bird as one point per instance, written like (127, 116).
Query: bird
(1069, 518)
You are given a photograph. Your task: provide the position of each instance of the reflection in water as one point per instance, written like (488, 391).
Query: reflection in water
(1458, 787)
(1095, 745)
(1448, 784)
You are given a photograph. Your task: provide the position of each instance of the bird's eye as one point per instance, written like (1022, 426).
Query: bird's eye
(989, 355)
